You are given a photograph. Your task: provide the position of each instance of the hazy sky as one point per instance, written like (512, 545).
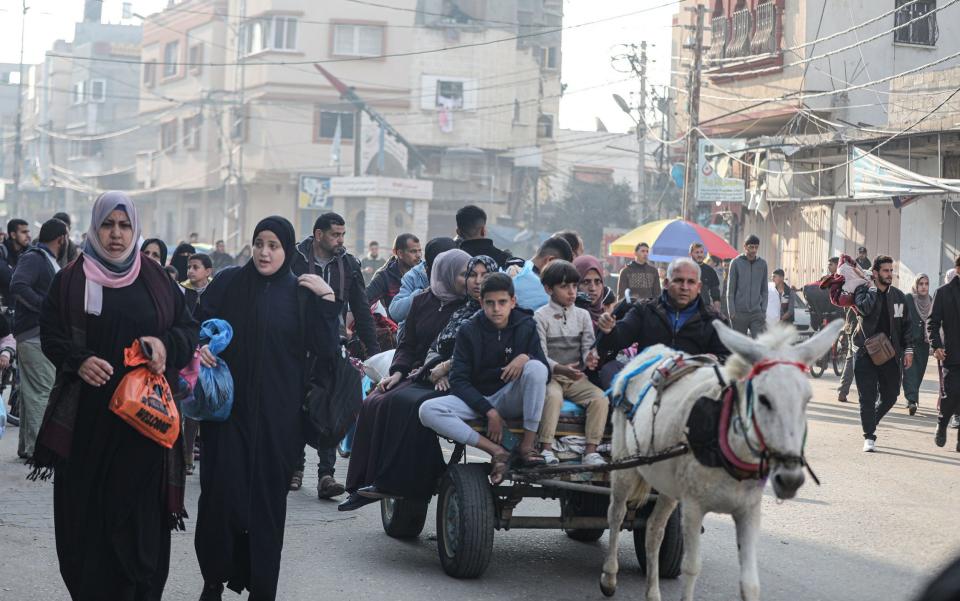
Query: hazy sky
(586, 50)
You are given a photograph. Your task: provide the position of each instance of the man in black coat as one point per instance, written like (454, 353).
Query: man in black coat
(472, 233)
(324, 254)
(883, 310)
(945, 315)
(15, 244)
(678, 318)
(709, 280)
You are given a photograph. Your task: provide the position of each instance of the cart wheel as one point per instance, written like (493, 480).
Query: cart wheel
(583, 504)
(465, 521)
(403, 518)
(671, 550)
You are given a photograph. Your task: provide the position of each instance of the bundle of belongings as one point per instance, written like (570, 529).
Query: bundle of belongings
(844, 283)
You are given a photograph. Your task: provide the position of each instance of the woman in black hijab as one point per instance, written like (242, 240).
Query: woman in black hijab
(180, 258)
(249, 458)
(156, 249)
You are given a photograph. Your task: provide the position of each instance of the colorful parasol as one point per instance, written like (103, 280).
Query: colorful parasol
(671, 238)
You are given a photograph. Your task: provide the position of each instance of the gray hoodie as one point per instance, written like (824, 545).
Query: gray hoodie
(747, 286)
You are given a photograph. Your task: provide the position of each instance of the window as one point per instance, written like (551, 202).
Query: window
(196, 59)
(98, 90)
(171, 55)
(549, 57)
(284, 33)
(328, 125)
(269, 33)
(764, 39)
(357, 40)
(79, 92)
(150, 73)
(739, 44)
(168, 136)
(545, 126)
(450, 93)
(191, 132)
(923, 30)
(84, 149)
(719, 32)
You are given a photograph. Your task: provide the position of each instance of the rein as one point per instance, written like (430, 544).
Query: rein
(744, 423)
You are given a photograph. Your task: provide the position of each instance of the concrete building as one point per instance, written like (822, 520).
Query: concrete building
(276, 136)
(803, 83)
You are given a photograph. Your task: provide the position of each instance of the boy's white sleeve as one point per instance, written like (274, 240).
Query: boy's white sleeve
(542, 332)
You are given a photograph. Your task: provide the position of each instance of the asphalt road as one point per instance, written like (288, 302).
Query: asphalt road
(881, 525)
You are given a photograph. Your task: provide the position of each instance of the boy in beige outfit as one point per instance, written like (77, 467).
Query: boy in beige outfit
(566, 333)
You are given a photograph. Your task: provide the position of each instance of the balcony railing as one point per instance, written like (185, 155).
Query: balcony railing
(739, 44)
(719, 32)
(764, 39)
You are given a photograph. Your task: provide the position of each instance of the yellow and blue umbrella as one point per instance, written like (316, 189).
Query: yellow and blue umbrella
(671, 238)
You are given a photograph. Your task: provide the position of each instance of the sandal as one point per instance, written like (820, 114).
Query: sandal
(530, 458)
(498, 467)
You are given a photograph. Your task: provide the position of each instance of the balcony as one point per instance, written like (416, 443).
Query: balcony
(746, 44)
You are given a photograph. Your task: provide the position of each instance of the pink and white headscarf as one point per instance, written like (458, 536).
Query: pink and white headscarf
(98, 267)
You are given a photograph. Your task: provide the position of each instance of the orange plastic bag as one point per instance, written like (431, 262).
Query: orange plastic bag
(143, 400)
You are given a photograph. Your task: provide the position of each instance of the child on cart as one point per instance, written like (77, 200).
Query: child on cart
(566, 333)
(499, 372)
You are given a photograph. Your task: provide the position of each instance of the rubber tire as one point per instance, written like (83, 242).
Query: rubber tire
(671, 550)
(403, 518)
(582, 504)
(840, 358)
(464, 489)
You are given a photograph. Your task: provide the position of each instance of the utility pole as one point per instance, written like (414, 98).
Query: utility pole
(693, 112)
(642, 131)
(18, 141)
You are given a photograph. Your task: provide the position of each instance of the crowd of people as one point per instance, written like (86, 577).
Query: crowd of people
(479, 337)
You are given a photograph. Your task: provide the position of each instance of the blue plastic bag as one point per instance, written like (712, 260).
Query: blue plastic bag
(3, 416)
(213, 395)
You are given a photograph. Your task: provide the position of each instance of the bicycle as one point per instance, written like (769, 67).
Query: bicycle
(836, 356)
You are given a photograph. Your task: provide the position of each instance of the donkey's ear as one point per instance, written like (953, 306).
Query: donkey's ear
(817, 346)
(741, 344)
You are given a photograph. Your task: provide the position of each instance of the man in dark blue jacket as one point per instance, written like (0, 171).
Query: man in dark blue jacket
(499, 371)
(28, 289)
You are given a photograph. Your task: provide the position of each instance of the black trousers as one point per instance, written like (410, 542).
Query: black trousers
(950, 397)
(874, 381)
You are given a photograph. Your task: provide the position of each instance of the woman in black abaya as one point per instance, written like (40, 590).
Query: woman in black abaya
(393, 453)
(249, 458)
(116, 493)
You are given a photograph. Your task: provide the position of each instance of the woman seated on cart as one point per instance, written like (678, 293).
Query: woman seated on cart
(393, 454)
(499, 371)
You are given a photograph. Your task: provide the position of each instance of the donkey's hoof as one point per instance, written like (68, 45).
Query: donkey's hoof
(608, 585)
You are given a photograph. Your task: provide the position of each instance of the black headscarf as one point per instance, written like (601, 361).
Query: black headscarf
(179, 261)
(161, 244)
(434, 248)
(284, 232)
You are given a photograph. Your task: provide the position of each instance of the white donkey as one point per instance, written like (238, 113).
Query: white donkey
(760, 435)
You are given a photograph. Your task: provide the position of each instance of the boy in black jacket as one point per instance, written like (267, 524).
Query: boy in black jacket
(499, 371)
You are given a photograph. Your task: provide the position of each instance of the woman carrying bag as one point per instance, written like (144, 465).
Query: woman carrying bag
(117, 494)
(249, 458)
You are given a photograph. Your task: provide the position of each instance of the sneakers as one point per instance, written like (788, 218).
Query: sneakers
(296, 482)
(912, 408)
(593, 459)
(328, 487)
(940, 438)
(549, 457)
(869, 446)
(955, 421)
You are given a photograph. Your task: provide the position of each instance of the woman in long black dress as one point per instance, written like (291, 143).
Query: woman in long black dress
(116, 493)
(249, 458)
(392, 452)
